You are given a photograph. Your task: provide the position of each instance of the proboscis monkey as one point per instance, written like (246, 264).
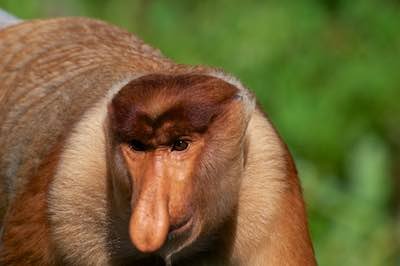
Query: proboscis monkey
(112, 154)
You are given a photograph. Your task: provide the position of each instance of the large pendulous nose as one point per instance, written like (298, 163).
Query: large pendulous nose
(149, 223)
(159, 207)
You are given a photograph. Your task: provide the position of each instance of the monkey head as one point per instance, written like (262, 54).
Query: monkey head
(177, 144)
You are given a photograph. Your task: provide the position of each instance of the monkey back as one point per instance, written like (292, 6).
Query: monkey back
(51, 71)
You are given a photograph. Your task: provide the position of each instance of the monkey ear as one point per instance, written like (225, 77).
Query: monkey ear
(244, 97)
(229, 125)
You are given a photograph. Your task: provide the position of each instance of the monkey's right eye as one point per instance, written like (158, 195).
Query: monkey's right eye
(137, 145)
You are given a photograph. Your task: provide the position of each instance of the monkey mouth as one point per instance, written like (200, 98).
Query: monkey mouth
(181, 227)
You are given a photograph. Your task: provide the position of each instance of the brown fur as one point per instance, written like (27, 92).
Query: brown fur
(74, 206)
(168, 106)
(26, 239)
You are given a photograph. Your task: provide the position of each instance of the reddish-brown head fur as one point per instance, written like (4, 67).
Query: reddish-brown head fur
(174, 187)
(158, 108)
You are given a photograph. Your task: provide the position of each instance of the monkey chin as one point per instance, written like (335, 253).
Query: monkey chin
(180, 228)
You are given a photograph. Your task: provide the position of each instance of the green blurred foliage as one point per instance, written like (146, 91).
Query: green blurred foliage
(327, 74)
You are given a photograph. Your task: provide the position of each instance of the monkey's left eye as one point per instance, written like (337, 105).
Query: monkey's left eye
(180, 145)
(137, 145)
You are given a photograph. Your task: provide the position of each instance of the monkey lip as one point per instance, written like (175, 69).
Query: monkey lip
(181, 227)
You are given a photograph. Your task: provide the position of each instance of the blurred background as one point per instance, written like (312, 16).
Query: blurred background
(328, 74)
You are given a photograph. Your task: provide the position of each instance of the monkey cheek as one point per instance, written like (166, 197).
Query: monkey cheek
(148, 233)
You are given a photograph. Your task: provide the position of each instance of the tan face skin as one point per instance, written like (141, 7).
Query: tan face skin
(162, 178)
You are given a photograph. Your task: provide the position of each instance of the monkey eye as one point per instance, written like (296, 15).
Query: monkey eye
(180, 145)
(137, 145)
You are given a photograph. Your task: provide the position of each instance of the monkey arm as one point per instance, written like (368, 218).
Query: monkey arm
(26, 239)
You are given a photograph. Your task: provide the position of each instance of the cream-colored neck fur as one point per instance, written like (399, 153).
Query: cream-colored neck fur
(77, 196)
(264, 178)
